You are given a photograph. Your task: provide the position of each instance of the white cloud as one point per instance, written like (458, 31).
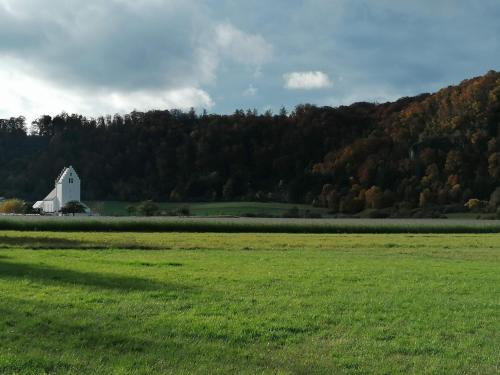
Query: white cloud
(306, 80)
(7, 6)
(179, 98)
(22, 93)
(97, 57)
(251, 49)
(226, 42)
(250, 91)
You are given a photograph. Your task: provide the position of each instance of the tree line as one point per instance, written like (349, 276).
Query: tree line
(430, 150)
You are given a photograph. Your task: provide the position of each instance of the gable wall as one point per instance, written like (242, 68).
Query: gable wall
(68, 188)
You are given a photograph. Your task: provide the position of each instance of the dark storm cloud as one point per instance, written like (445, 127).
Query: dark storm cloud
(241, 52)
(111, 43)
(385, 49)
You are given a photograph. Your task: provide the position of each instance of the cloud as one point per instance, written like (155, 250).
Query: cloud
(226, 42)
(117, 43)
(250, 91)
(179, 98)
(22, 93)
(117, 55)
(306, 80)
(242, 47)
(100, 56)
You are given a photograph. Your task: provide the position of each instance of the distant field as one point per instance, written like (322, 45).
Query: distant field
(245, 225)
(114, 208)
(139, 303)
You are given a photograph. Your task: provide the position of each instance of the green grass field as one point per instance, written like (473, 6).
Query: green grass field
(140, 303)
(115, 208)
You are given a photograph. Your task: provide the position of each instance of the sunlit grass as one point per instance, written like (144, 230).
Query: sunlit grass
(248, 303)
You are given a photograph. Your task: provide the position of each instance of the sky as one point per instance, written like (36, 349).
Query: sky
(97, 57)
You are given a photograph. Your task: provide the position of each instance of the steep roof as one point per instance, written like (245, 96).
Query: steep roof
(61, 175)
(52, 195)
(64, 172)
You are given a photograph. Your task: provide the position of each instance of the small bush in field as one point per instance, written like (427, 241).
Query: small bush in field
(184, 211)
(72, 208)
(148, 208)
(476, 205)
(13, 206)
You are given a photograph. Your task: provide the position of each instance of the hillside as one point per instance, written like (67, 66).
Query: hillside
(440, 150)
(430, 150)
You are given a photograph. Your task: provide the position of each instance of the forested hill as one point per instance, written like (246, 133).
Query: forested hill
(428, 150)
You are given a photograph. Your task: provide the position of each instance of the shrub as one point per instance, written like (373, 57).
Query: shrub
(148, 208)
(28, 209)
(374, 198)
(73, 207)
(350, 205)
(13, 206)
(184, 211)
(476, 205)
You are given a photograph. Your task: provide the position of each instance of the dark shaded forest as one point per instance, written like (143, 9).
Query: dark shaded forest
(430, 150)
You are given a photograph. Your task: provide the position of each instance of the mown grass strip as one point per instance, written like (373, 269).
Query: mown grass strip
(228, 226)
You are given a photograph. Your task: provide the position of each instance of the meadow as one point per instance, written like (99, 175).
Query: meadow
(146, 303)
(244, 225)
(263, 209)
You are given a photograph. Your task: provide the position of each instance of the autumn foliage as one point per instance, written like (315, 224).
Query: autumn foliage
(12, 206)
(427, 151)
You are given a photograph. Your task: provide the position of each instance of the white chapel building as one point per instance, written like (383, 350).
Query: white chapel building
(67, 189)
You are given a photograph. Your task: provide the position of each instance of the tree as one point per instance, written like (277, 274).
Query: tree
(228, 189)
(73, 207)
(148, 208)
(495, 198)
(374, 197)
(351, 205)
(454, 161)
(426, 198)
(494, 165)
(445, 142)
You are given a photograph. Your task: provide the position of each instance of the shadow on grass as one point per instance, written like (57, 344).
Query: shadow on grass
(50, 275)
(45, 322)
(38, 242)
(94, 341)
(84, 334)
(48, 243)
